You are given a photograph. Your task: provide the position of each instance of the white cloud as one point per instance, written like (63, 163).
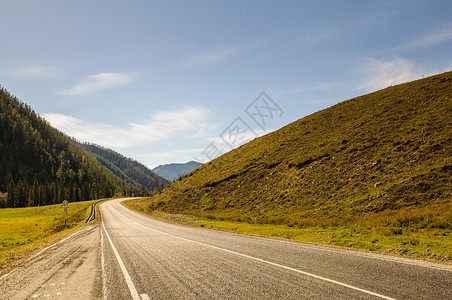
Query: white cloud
(378, 74)
(299, 89)
(103, 134)
(188, 121)
(35, 72)
(438, 36)
(97, 82)
(211, 57)
(218, 55)
(162, 124)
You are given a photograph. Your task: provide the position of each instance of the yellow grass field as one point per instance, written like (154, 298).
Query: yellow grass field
(24, 229)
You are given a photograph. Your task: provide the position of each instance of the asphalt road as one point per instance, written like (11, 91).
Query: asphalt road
(131, 256)
(69, 269)
(146, 258)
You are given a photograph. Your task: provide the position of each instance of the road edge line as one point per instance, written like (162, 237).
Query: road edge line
(267, 262)
(102, 263)
(406, 260)
(42, 251)
(130, 285)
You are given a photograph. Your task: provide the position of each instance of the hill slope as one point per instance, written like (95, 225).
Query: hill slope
(127, 169)
(173, 171)
(39, 165)
(385, 158)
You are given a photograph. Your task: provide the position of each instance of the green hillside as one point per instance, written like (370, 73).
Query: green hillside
(131, 171)
(378, 160)
(40, 166)
(117, 171)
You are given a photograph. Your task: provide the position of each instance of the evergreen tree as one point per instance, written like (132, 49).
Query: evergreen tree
(41, 166)
(34, 195)
(11, 190)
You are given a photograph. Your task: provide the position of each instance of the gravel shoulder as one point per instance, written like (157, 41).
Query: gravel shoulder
(69, 269)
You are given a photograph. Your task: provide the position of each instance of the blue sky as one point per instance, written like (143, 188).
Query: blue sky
(171, 81)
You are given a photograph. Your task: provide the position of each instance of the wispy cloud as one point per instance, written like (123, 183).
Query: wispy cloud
(220, 54)
(97, 82)
(302, 88)
(190, 122)
(35, 72)
(210, 57)
(378, 74)
(190, 119)
(434, 37)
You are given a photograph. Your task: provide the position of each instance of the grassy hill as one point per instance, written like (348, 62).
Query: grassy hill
(173, 171)
(382, 160)
(40, 166)
(129, 170)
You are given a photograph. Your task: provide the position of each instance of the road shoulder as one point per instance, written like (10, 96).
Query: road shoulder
(69, 269)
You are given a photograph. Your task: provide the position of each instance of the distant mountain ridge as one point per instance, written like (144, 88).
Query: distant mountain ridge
(175, 170)
(129, 170)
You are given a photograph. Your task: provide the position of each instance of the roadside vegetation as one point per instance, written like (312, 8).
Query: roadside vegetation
(23, 230)
(373, 172)
(388, 234)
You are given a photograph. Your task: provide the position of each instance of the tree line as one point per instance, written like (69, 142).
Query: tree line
(39, 165)
(126, 168)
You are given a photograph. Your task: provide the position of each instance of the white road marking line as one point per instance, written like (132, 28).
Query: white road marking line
(40, 252)
(346, 252)
(370, 256)
(131, 286)
(7, 274)
(53, 245)
(324, 248)
(266, 262)
(145, 297)
(102, 260)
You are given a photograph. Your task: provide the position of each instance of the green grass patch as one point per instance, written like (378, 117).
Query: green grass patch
(24, 229)
(426, 244)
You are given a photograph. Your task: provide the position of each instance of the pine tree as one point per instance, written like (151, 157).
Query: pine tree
(11, 190)
(34, 195)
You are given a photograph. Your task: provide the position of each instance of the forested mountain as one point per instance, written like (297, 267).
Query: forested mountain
(39, 165)
(173, 171)
(125, 168)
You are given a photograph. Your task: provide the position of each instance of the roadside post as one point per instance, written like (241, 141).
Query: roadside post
(65, 204)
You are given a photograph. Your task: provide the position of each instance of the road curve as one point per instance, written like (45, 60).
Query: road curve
(143, 258)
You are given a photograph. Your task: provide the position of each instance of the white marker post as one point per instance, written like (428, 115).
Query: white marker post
(65, 204)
